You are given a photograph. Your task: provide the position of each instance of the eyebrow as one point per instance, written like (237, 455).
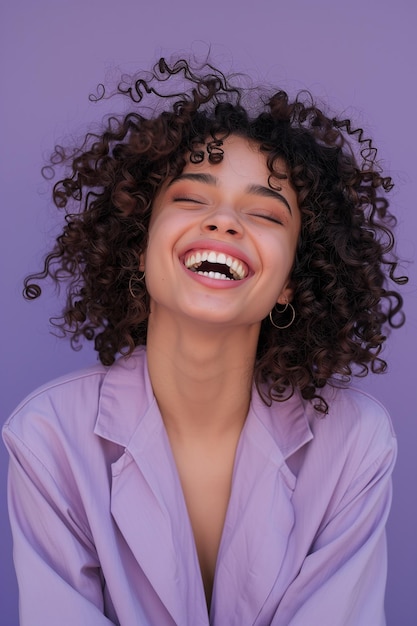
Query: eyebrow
(255, 190)
(208, 179)
(267, 192)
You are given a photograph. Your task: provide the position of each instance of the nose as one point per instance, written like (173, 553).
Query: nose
(224, 220)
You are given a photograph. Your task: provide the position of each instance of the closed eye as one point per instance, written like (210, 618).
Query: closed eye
(187, 199)
(269, 218)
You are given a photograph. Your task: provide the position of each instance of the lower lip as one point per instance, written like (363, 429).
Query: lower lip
(214, 283)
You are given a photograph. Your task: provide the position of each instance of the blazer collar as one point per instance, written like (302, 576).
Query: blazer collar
(126, 395)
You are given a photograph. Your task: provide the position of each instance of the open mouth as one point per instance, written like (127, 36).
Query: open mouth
(215, 265)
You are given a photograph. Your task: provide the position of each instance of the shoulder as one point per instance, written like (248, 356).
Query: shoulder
(355, 421)
(63, 392)
(60, 409)
(68, 407)
(351, 408)
(357, 429)
(355, 434)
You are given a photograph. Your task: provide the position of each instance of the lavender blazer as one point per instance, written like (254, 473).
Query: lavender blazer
(101, 531)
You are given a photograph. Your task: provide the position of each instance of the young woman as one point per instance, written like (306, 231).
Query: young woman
(237, 260)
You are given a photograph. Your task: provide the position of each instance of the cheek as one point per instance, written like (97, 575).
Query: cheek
(159, 256)
(281, 251)
(157, 239)
(166, 229)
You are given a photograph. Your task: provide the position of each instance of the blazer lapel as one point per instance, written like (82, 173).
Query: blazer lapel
(260, 516)
(147, 503)
(149, 509)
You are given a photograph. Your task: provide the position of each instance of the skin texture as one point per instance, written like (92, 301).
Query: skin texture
(203, 332)
(191, 215)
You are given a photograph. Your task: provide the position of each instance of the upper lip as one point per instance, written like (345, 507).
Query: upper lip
(237, 262)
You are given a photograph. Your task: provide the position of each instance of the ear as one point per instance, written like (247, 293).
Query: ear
(142, 262)
(286, 294)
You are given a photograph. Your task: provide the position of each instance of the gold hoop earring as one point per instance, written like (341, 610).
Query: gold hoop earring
(138, 279)
(287, 304)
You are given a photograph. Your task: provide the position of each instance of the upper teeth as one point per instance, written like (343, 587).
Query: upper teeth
(195, 259)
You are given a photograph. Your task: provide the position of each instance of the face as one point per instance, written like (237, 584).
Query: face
(221, 242)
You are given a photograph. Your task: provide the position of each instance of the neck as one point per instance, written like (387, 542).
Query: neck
(201, 376)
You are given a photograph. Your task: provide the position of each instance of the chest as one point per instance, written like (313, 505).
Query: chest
(206, 481)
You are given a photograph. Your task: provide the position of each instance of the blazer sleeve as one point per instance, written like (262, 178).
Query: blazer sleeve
(342, 580)
(57, 568)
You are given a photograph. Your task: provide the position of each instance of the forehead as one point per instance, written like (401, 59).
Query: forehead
(232, 151)
(237, 158)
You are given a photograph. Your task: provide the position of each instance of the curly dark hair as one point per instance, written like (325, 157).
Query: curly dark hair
(344, 261)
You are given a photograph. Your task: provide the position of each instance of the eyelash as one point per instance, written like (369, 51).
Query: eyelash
(274, 220)
(185, 199)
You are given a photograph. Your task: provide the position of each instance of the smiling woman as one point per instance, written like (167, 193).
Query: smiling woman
(199, 221)
(234, 266)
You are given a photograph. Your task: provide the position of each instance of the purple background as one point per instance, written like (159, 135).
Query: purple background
(360, 56)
